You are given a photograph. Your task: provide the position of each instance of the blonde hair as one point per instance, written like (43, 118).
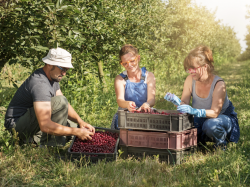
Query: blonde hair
(128, 48)
(201, 55)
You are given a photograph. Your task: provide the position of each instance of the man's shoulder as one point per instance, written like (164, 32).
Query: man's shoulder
(37, 78)
(39, 73)
(39, 81)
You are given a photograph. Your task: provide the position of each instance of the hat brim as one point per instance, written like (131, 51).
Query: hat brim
(55, 63)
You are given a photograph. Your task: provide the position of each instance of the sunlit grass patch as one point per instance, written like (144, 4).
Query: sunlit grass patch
(10, 77)
(42, 167)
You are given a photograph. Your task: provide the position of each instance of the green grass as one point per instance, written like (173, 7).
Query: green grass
(40, 167)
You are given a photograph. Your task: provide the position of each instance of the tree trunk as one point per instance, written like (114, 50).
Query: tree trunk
(101, 76)
(2, 63)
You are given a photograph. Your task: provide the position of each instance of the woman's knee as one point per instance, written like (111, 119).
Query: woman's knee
(219, 124)
(210, 126)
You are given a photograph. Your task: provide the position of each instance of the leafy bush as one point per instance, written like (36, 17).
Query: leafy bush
(94, 30)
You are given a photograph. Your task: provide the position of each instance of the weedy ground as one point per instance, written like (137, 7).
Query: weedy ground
(31, 166)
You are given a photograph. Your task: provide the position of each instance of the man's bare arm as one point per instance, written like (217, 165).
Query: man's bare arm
(73, 116)
(43, 114)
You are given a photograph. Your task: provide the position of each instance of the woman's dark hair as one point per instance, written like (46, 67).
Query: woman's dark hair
(128, 48)
(201, 55)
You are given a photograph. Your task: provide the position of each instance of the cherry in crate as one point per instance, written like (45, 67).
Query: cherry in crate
(102, 142)
(155, 112)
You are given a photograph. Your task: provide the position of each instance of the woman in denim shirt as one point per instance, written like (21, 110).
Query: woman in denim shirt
(134, 87)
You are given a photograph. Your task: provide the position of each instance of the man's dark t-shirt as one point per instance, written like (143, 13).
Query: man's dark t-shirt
(36, 87)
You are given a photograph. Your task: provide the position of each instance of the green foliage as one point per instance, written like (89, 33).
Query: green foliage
(91, 103)
(246, 54)
(11, 77)
(93, 31)
(6, 142)
(9, 142)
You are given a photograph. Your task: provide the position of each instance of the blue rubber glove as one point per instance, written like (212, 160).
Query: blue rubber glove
(172, 98)
(188, 109)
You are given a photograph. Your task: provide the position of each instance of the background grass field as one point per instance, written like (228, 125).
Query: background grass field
(32, 166)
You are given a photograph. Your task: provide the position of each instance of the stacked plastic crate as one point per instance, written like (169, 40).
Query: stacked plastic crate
(166, 133)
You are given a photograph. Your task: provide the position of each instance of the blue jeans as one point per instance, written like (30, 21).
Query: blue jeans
(213, 129)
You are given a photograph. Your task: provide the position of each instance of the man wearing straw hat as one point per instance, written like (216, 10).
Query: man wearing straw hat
(40, 112)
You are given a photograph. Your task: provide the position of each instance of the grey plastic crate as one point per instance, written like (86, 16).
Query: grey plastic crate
(168, 156)
(155, 122)
(94, 157)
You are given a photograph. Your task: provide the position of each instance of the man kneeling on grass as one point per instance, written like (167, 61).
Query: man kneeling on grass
(39, 111)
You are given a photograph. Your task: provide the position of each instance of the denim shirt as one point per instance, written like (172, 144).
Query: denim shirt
(136, 91)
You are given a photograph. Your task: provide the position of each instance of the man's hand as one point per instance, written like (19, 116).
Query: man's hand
(87, 126)
(84, 134)
(73, 116)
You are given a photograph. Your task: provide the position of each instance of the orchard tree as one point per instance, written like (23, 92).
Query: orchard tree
(246, 54)
(94, 30)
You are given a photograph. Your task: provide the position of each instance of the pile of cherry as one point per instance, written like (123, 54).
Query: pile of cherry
(155, 112)
(102, 142)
